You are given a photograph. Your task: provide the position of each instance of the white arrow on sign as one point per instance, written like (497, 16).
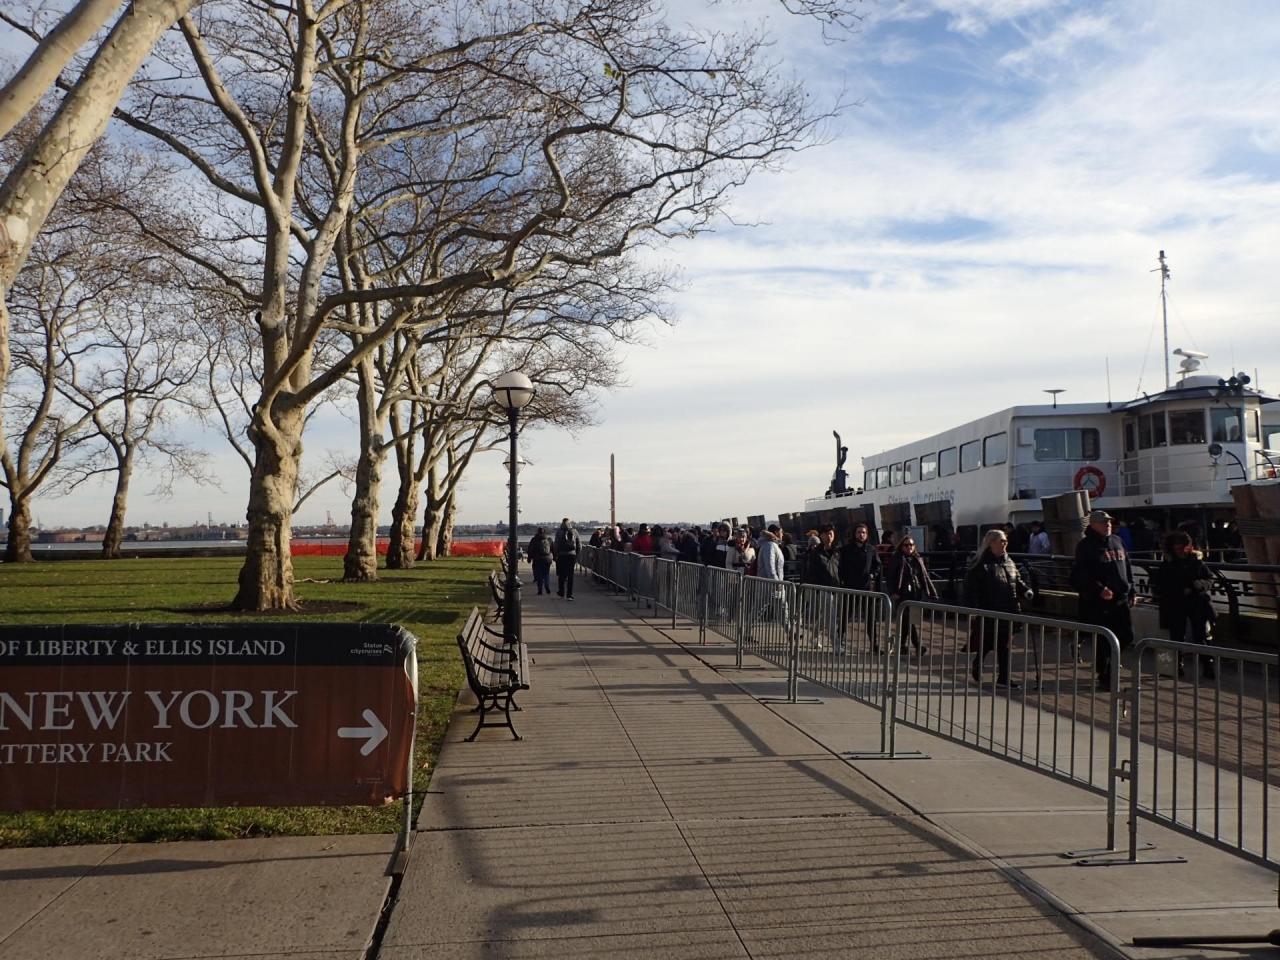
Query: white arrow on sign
(374, 733)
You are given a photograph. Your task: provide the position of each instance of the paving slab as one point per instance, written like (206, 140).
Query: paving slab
(34, 878)
(684, 945)
(529, 795)
(587, 880)
(695, 729)
(293, 897)
(738, 788)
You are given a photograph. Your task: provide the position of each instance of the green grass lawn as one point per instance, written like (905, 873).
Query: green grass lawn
(430, 601)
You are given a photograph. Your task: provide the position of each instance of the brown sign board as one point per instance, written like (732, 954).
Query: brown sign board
(108, 717)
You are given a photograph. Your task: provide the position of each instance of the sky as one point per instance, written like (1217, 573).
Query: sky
(981, 223)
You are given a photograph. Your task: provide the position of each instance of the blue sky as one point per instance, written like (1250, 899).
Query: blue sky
(982, 224)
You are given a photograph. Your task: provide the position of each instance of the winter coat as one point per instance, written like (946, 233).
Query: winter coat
(735, 559)
(769, 562)
(995, 584)
(567, 542)
(822, 567)
(1101, 561)
(539, 549)
(689, 550)
(860, 566)
(1181, 586)
(908, 579)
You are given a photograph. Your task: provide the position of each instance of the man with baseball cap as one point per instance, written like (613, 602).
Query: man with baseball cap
(1103, 581)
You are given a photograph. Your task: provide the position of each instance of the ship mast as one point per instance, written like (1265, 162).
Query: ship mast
(1163, 270)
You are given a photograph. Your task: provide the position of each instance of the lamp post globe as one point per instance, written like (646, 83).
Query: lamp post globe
(512, 392)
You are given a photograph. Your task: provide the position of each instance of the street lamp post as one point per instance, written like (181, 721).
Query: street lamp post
(511, 392)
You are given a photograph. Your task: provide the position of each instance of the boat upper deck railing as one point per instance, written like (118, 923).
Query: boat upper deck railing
(1153, 473)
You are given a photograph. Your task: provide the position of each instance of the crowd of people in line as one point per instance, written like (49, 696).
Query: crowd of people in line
(1101, 575)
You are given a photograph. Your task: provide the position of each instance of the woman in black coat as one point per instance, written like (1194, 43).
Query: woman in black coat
(908, 579)
(993, 583)
(1181, 586)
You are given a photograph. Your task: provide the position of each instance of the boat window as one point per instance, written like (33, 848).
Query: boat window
(1252, 421)
(895, 475)
(947, 461)
(928, 466)
(882, 477)
(1186, 427)
(909, 470)
(970, 456)
(1130, 435)
(1068, 443)
(1151, 431)
(995, 449)
(1225, 425)
(869, 480)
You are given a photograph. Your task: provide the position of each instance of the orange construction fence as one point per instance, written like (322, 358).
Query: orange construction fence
(460, 548)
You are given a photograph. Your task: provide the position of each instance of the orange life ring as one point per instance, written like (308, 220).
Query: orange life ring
(1095, 489)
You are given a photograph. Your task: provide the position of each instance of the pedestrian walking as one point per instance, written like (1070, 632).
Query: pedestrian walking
(993, 583)
(1181, 587)
(861, 569)
(541, 553)
(822, 569)
(908, 579)
(566, 548)
(1103, 580)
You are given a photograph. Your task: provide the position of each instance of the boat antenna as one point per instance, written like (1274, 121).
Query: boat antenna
(1163, 270)
(1054, 391)
(1107, 360)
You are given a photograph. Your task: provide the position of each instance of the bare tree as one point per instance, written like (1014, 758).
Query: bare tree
(547, 137)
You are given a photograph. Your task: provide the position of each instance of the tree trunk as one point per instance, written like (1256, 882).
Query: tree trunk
(266, 579)
(36, 76)
(18, 549)
(400, 551)
(445, 541)
(432, 514)
(36, 182)
(360, 565)
(119, 503)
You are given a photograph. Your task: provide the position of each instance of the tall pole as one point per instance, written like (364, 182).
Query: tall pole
(613, 495)
(511, 604)
(1164, 313)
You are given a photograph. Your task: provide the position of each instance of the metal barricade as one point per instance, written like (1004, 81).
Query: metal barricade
(721, 603)
(1049, 715)
(841, 638)
(768, 610)
(643, 570)
(1200, 742)
(689, 591)
(666, 575)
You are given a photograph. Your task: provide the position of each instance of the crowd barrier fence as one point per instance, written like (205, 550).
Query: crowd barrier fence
(1198, 757)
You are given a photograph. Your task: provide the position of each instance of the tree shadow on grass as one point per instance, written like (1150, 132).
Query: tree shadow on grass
(410, 615)
(306, 608)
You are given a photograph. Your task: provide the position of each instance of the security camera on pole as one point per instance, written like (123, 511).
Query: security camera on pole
(511, 392)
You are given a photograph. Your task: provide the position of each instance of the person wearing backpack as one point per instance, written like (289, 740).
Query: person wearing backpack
(566, 549)
(540, 556)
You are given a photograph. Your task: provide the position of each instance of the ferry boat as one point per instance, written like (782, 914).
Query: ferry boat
(1166, 458)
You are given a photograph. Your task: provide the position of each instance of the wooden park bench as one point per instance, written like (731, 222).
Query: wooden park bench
(499, 592)
(496, 672)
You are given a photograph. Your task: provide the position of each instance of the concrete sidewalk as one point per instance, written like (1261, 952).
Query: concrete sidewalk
(301, 898)
(657, 808)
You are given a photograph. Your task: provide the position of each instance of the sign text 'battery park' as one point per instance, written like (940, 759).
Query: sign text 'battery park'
(100, 717)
